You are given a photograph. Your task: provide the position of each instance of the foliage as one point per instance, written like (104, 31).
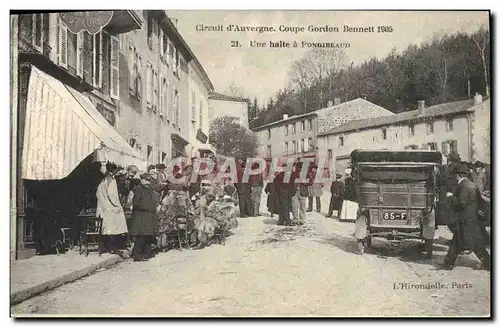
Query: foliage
(232, 139)
(449, 68)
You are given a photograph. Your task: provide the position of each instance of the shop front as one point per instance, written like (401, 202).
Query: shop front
(63, 144)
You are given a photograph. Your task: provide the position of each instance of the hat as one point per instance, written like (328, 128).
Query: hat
(146, 176)
(133, 168)
(160, 166)
(478, 164)
(461, 168)
(454, 156)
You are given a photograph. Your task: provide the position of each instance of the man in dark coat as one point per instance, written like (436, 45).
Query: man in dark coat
(272, 199)
(144, 221)
(337, 191)
(244, 191)
(285, 190)
(466, 229)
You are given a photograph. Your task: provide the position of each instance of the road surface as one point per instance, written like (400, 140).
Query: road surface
(269, 270)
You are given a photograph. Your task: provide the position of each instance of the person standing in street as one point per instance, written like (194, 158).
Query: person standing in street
(244, 191)
(283, 198)
(272, 199)
(479, 176)
(315, 190)
(299, 197)
(144, 221)
(337, 193)
(109, 208)
(256, 185)
(466, 229)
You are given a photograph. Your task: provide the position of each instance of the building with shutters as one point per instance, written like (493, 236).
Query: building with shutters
(68, 88)
(461, 126)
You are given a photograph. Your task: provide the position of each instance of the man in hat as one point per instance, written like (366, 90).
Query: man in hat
(466, 228)
(256, 185)
(337, 191)
(144, 220)
(244, 191)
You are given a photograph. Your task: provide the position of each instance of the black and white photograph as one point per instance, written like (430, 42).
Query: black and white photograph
(250, 163)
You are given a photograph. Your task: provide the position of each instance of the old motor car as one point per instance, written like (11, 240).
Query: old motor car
(396, 193)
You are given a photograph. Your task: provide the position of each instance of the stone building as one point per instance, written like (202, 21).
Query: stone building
(461, 126)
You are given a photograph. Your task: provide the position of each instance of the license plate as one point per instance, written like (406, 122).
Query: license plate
(388, 215)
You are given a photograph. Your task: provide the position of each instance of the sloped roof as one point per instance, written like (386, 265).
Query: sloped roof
(332, 117)
(282, 121)
(223, 97)
(413, 115)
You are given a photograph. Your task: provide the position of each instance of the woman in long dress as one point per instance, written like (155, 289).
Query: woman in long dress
(176, 207)
(110, 210)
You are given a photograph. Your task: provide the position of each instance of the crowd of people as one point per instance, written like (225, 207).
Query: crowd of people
(158, 206)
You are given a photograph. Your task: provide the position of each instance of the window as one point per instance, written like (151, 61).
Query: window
(156, 90)
(384, 134)
(449, 146)
(163, 156)
(79, 54)
(162, 107)
(311, 145)
(430, 127)
(176, 107)
(309, 124)
(171, 50)
(268, 133)
(294, 147)
(269, 151)
(201, 115)
(302, 126)
(449, 125)
(306, 145)
(432, 146)
(132, 142)
(193, 106)
(114, 66)
(341, 140)
(174, 58)
(302, 148)
(290, 148)
(330, 154)
(286, 130)
(293, 128)
(412, 130)
(285, 149)
(150, 31)
(149, 85)
(97, 60)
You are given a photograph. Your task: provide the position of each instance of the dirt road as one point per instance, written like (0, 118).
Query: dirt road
(269, 270)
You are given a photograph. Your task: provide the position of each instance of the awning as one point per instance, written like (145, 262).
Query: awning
(62, 128)
(205, 148)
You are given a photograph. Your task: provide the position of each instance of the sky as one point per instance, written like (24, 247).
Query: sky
(261, 72)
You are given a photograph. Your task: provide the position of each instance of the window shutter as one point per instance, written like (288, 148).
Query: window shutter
(97, 56)
(148, 84)
(63, 45)
(177, 108)
(114, 67)
(79, 54)
(161, 43)
(155, 89)
(193, 106)
(169, 51)
(38, 32)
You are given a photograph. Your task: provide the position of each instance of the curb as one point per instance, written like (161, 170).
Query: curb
(32, 291)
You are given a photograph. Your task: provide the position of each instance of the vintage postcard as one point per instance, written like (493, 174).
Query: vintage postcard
(282, 163)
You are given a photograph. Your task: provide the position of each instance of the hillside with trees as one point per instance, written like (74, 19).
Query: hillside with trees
(450, 68)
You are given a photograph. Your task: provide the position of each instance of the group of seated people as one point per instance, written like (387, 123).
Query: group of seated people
(160, 208)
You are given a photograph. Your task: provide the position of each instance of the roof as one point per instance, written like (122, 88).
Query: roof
(413, 115)
(282, 121)
(223, 97)
(335, 116)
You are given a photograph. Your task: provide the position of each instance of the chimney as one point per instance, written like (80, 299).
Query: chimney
(285, 116)
(478, 99)
(330, 103)
(336, 101)
(421, 106)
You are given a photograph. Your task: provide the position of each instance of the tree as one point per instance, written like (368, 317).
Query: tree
(481, 38)
(232, 139)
